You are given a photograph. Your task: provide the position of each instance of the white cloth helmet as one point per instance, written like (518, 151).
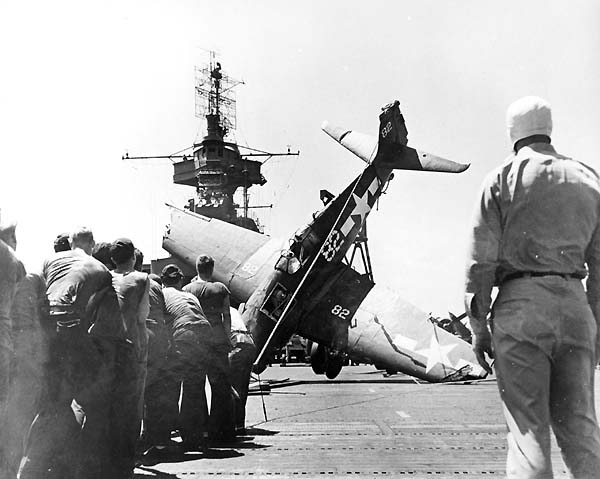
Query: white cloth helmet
(528, 116)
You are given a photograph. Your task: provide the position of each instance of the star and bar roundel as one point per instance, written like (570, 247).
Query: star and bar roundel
(362, 199)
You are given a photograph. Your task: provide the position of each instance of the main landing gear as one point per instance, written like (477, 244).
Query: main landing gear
(325, 361)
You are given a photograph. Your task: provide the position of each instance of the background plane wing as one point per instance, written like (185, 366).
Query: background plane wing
(234, 249)
(392, 332)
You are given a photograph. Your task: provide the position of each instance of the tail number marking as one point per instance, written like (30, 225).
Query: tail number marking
(386, 129)
(340, 312)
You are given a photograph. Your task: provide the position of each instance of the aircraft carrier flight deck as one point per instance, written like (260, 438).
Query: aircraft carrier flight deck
(362, 424)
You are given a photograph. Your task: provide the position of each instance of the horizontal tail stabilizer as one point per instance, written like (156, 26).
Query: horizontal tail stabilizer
(407, 158)
(391, 150)
(363, 146)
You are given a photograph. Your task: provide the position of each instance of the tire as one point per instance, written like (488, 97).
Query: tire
(318, 358)
(334, 366)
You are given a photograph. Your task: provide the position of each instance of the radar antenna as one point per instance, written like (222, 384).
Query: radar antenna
(215, 96)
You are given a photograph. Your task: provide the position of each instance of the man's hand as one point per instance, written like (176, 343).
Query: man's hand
(482, 344)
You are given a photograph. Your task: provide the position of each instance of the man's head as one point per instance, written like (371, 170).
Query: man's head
(527, 117)
(61, 243)
(8, 233)
(139, 260)
(122, 253)
(171, 275)
(101, 252)
(82, 238)
(205, 266)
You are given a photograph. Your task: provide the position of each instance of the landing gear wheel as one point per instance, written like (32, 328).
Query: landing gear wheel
(318, 358)
(334, 366)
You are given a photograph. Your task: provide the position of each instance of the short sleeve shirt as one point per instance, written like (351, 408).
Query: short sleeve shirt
(183, 310)
(212, 296)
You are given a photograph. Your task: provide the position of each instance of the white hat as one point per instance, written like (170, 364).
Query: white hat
(528, 116)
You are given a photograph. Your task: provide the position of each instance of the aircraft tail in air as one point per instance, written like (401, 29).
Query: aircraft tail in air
(391, 151)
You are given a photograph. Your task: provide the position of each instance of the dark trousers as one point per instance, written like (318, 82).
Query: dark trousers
(55, 446)
(221, 419)
(158, 419)
(193, 417)
(125, 414)
(187, 365)
(22, 406)
(240, 367)
(97, 457)
(78, 431)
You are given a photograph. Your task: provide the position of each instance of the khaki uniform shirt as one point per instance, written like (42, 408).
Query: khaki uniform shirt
(538, 212)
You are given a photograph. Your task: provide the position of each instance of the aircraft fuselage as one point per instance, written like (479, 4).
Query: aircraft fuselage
(380, 328)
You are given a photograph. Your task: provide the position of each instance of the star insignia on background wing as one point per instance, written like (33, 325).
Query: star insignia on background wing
(437, 354)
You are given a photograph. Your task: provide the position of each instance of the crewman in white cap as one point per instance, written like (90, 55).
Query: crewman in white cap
(536, 228)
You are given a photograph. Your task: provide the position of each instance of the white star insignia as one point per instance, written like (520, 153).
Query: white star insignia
(362, 207)
(437, 354)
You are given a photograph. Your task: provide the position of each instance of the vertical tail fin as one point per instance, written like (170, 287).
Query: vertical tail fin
(393, 152)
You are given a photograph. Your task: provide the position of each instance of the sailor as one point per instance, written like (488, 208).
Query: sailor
(30, 355)
(101, 252)
(214, 299)
(54, 446)
(536, 227)
(61, 243)
(241, 358)
(190, 334)
(139, 260)
(132, 288)
(157, 431)
(11, 273)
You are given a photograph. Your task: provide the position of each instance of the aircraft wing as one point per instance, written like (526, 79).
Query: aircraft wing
(241, 256)
(386, 330)
(390, 330)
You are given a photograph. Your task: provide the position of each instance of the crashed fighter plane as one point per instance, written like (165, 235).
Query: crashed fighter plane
(306, 285)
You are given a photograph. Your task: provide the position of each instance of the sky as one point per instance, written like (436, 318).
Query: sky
(83, 83)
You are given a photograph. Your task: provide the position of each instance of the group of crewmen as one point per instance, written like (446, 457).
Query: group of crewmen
(100, 362)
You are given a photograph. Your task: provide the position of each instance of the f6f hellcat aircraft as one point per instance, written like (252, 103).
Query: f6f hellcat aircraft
(307, 286)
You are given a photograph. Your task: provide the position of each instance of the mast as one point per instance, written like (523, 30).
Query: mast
(216, 168)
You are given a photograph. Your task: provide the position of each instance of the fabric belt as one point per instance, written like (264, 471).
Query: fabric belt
(535, 274)
(61, 309)
(193, 326)
(65, 316)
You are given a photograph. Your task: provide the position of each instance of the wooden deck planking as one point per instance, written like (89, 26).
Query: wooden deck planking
(353, 429)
